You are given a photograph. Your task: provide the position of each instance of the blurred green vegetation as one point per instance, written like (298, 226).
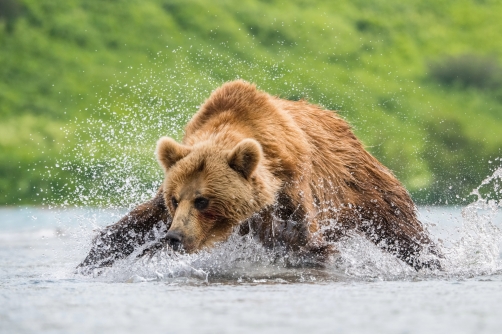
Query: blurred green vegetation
(86, 87)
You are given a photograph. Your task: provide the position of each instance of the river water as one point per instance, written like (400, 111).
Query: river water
(237, 288)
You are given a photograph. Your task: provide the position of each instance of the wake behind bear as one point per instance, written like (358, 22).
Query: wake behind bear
(290, 173)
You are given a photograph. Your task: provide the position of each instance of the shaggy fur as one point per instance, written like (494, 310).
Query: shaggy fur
(291, 173)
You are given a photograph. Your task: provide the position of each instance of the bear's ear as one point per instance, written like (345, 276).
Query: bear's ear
(169, 152)
(245, 157)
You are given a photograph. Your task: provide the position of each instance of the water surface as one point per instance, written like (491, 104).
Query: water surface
(365, 291)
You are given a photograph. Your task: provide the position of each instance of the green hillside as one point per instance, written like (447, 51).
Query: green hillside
(87, 87)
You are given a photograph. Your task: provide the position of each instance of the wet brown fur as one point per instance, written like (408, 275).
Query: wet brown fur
(291, 173)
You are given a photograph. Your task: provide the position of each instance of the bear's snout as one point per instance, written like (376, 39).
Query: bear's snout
(174, 240)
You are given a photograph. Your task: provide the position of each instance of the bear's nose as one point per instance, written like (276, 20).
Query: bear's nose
(174, 239)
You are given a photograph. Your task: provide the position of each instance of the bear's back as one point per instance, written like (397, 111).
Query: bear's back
(305, 146)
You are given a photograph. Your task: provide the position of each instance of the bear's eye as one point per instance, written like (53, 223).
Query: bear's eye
(201, 203)
(174, 202)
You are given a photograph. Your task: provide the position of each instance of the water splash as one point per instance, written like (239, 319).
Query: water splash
(473, 249)
(240, 259)
(114, 160)
(478, 250)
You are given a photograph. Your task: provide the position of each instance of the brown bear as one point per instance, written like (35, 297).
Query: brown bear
(291, 173)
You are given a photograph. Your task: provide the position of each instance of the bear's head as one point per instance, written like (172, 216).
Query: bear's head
(209, 190)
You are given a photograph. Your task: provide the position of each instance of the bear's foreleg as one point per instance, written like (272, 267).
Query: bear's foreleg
(136, 231)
